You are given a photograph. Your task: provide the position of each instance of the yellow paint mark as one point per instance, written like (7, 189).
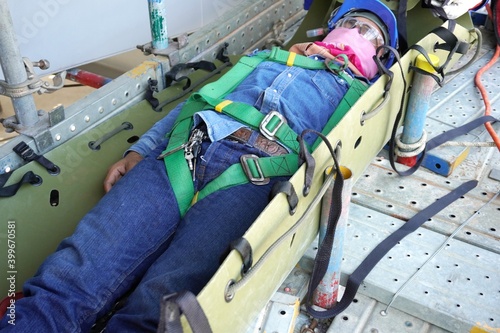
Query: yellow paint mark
(142, 68)
(296, 311)
(484, 328)
(460, 158)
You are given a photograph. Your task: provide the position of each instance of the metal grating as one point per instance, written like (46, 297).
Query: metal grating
(382, 190)
(457, 290)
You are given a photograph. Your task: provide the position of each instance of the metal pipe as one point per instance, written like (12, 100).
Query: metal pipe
(87, 78)
(13, 68)
(418, 105)
(158, 22)
(326, 294)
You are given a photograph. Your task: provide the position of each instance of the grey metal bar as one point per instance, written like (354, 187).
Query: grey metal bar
(13, 68)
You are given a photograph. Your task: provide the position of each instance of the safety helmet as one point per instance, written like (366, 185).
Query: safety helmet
(375, 11)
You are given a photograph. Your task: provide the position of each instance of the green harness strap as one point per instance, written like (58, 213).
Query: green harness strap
(252, 168)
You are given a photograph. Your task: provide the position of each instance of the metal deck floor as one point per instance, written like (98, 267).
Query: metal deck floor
(456, 289)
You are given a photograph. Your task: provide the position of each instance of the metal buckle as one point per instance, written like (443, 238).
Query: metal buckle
(270, 134)
(260, 179)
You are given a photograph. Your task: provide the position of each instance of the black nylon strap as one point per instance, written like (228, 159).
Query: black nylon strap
(325, 248)
(182, 303)
(381, 250)
(26, 153)
(153, 88)
(451, 44)
(243, 247)
(287, 188)
(402, 23)
(305, 156)
(11, 190)
(437, 141)
(172, 75)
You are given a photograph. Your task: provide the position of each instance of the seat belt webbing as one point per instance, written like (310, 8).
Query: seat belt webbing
(284, 165)
(360, 273)
(250, 116)
(11, 190)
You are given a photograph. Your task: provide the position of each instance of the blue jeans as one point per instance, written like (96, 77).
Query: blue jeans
(135, 236)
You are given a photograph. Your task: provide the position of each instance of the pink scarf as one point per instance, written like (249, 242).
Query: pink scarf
(358, 50)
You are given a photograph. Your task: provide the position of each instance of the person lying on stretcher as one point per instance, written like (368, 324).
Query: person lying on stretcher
(160, 231)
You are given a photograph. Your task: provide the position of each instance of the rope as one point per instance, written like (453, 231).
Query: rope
(410, 149)
(468, 144)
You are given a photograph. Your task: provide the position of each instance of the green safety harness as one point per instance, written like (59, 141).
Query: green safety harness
(252, 168)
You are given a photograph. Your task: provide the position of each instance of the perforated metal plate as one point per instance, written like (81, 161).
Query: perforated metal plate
(457, 290)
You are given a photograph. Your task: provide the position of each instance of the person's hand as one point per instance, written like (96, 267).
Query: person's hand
(308, 49)
(120, 168)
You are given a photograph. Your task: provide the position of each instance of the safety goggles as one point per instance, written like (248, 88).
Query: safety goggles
(365, 29)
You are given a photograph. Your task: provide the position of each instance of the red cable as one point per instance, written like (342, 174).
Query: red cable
(484, 94)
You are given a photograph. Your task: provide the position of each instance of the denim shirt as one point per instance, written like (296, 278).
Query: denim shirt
(306, 98)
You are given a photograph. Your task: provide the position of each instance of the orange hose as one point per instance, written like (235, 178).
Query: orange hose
(484, 94)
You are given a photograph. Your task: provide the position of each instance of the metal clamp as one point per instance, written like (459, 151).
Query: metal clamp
(33, 83)
(268, 133)
(260, 179)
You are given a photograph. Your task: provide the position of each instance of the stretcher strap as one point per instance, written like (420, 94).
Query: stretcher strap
(243, 247)
(173, 75)
(26, 153)
(287, 188)
(11, 190)
(437, 141)
(359, 274)
(402, 23)
(172, 306)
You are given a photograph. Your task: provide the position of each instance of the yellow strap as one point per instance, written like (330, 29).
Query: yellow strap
(222, 105)
(195, 198)
(291, 59)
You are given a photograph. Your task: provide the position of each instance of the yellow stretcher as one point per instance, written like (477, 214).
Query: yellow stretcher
(359, 142)
(60, 201)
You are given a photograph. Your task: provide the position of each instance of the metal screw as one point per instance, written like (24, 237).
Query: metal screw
(42, 64)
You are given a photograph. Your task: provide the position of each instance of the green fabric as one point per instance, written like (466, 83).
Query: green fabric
(251, 117)
(284, 165)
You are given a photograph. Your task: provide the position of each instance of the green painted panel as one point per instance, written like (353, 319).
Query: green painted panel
(44, 215)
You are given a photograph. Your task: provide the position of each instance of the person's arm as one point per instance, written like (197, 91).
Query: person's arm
(156, 134)
(148, 142)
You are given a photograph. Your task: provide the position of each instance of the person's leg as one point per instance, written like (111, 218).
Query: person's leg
(112, 247)
(201, 239)
(194, 254)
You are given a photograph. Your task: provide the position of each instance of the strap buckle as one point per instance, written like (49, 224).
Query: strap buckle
(271, 116)
(250, 164)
